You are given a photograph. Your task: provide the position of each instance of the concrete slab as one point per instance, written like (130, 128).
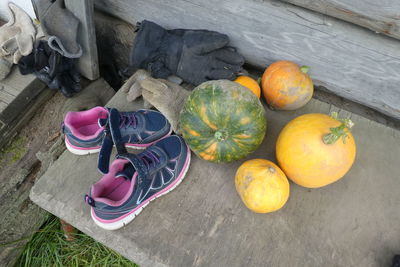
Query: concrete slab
(353, 222)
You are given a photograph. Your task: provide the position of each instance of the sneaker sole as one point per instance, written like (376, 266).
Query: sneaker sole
(82, 152)
(124, 221)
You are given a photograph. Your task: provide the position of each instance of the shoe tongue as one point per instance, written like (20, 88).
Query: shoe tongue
(127, 172)
(102, 122)
(103, 119)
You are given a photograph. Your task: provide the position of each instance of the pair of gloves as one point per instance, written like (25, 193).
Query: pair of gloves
(164, 95)
(54, 69)
(52, 61)
(17, 38)
(195, 56)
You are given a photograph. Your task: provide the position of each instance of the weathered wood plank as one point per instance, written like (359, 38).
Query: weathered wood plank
(17, 91)
(88, 62)
(203, 222)
(6, 97)
(379, 16)
(19, 99)
(8, 129)
(3, 104)
(348, 60)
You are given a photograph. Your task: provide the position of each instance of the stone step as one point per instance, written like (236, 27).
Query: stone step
(353, 222)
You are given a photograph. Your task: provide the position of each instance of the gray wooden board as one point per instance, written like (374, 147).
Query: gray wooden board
(88, 63)
(15, 83)
(16, 92)
(380, 16)
(353, 222)
(348, 60)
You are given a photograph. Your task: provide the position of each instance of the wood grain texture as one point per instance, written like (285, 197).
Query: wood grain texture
(88, 63)
(348, 60)
(203, 222)
(16, 92)
(379, 16)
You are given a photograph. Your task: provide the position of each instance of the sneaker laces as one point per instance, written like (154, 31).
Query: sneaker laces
(150, 159)
(127, 119)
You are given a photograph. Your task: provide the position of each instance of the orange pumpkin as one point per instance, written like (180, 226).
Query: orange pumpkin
(286, 86)
(262, 185)
(250, 84)
(315, 150)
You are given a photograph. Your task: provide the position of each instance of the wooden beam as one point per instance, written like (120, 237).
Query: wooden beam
(348, 60)
(378, 16)
(88, 63)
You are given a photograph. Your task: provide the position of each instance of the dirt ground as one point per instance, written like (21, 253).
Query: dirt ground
(19, 168)
(28, 156)
(39, 134)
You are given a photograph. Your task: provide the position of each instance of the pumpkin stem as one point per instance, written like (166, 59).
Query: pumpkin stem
(304, 69)
(338, 132)
(221, 135)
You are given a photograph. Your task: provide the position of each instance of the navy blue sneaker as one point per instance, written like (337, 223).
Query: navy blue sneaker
(135, 180)
(86, 132)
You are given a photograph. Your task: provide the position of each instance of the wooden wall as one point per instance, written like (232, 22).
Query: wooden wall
(380, 16)
(348, 60)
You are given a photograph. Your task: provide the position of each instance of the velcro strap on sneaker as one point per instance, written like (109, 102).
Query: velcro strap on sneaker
(136, 163)
(112, 137)
(114, 121)
(105, 154)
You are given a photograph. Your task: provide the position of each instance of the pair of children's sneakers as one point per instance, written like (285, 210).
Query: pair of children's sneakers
(132, 180)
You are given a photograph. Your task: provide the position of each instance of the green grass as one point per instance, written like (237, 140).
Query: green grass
(48, 247)
(13, 151)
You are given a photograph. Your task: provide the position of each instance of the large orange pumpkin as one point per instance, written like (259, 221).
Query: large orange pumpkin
(262, 185)
(286, 86)
(315, 150)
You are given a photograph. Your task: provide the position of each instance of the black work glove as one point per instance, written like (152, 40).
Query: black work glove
(396, 261)
(57, 71)
(195, 56)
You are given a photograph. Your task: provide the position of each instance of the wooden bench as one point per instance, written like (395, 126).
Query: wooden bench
(353, 222)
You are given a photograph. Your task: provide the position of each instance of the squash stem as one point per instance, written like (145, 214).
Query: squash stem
(221, 135)
(304, 69)
(338, 132)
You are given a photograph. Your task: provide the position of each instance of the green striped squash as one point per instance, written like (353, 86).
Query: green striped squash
(222, 121)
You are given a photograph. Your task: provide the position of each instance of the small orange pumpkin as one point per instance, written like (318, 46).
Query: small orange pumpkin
(250, 84)
(262, 186)
(286, 86)
(315, 150)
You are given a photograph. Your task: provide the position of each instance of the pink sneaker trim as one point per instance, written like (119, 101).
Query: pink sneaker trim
(79, 147)
(84, 124)
(180, 177)
(109, 178)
